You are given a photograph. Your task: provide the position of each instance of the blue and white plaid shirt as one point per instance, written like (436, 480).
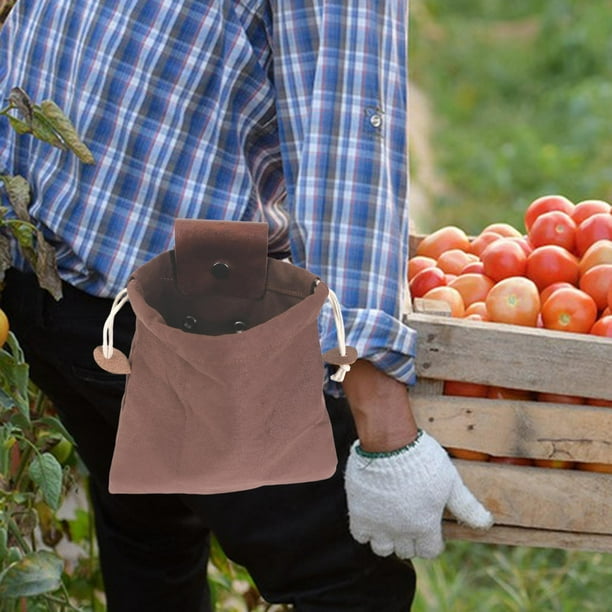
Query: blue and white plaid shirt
(288, 111)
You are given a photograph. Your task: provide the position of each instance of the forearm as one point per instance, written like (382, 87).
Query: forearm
(381, 408)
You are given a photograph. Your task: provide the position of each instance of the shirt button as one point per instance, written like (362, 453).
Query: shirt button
(375, 120)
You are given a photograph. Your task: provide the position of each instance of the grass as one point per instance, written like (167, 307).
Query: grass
(520, 94)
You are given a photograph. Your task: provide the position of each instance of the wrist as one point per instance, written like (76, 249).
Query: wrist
(389, 453)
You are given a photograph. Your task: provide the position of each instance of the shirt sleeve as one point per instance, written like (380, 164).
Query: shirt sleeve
(340, 70)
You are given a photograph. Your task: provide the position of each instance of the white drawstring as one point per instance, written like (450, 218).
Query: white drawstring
(340, 373)
(122, 298)
(107, 331)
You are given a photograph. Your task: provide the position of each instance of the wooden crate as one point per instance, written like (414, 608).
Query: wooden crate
(533, 506)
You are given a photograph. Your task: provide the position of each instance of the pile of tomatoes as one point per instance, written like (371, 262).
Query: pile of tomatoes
(557, 275)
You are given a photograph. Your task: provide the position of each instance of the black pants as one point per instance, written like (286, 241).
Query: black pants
(293, 539)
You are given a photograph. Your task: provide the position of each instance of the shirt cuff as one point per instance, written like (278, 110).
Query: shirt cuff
(378, 337)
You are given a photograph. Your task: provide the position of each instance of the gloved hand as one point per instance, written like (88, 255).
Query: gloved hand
(396, 501)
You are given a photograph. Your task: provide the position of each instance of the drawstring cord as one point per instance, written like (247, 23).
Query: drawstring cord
(107, 331)
(340, 373)
(122, 297)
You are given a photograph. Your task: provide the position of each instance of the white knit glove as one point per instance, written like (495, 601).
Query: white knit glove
(396, 500)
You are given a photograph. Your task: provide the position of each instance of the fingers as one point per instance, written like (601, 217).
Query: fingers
(467, 509)
(427, 547)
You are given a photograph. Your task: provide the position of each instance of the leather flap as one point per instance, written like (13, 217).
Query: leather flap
(221, 257)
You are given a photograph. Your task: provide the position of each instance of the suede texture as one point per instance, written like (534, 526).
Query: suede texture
(209, 410)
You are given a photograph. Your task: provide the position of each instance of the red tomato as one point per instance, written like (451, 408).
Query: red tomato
(548, 290)
(482, 241)
(555, 464)
(596, 281)
(466, 454)
(495, 392)
(599, 252)
(449, 295)
(603, 403)
(425, 280)
(418, 263)
(514, 300)
(443, 239)
(550, 264)
(474, 267)
(454, 260)
(559, 398)
(604, 468)
(554, 227)
(472, 287)
(512, 460)
(545, 204)
(477, 309)
(610, 298)
(593, 228)
(465, 389)
(523, 242)
(504, 229)
(586, 208)
(569, 309)
(503, 258)
(603, 327)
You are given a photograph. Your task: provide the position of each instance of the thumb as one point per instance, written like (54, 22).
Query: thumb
(467, 509)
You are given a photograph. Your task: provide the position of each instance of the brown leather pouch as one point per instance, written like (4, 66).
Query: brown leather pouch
(224, 387)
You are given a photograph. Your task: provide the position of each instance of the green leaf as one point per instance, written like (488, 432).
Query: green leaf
(21, 127)
(20, 100)
(36, 573)
(6, 258)
(18, 191)
(43, 130)
(46, 472)
(46, 267)
(56, 426)
(14, 377)
(64, 127)
(80, 527)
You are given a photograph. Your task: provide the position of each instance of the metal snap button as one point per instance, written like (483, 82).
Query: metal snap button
(220, 270)
(239, 326)
(189, 323)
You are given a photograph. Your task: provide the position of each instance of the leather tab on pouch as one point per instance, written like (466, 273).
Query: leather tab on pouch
(221, 257)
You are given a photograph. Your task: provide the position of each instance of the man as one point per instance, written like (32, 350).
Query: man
(288, 111)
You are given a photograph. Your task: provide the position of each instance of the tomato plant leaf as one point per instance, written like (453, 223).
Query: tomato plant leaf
(56, 426)
(18, 192)
(14, 377)
(46, 472)
(43, 129)
(6, 259)
(21, 127)
(20, 100)
(64, 127)
(36, 573)
(46, 267)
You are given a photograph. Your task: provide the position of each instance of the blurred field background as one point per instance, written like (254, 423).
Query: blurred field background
(519, 96)
(509, 101)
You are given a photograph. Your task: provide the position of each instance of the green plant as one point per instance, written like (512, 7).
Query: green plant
(38, 465)
(38, 468)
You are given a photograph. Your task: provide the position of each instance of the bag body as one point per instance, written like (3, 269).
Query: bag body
(225, 383)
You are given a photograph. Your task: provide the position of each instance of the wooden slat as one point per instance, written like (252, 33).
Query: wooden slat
(539, 430)
(558, 500)
(518, 536)
(512, 356)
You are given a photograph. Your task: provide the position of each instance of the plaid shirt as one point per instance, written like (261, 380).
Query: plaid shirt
(287, 111)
